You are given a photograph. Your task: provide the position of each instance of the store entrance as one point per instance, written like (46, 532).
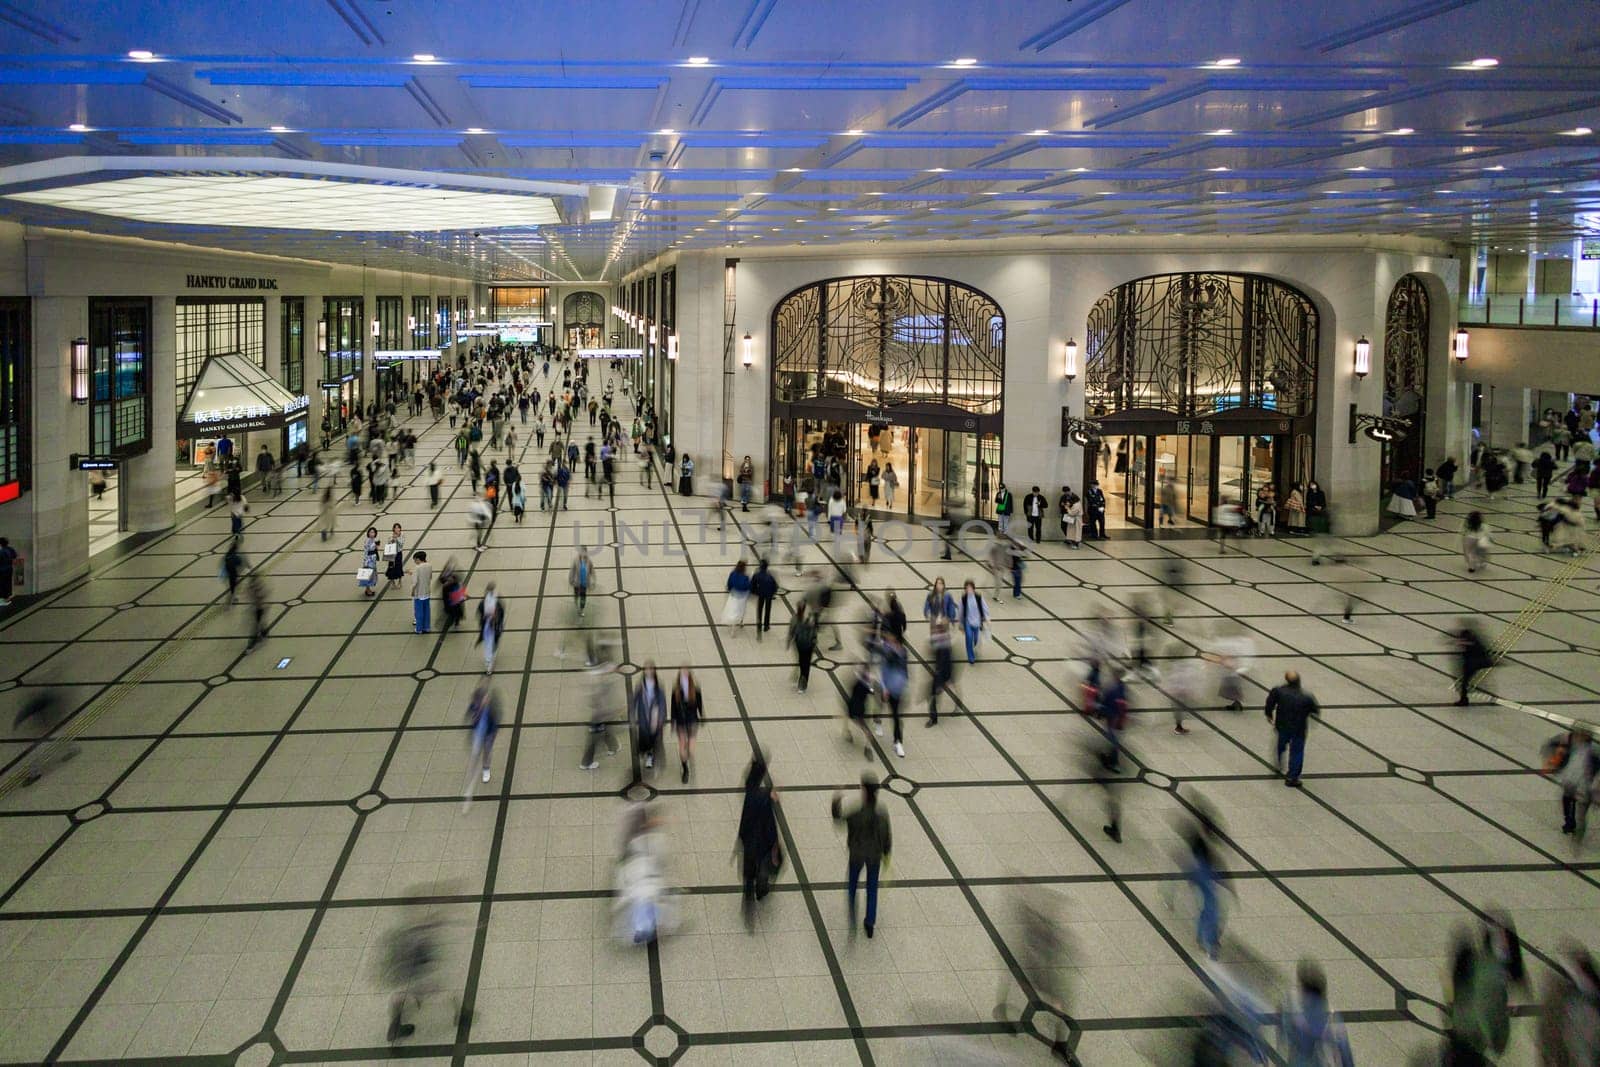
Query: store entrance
(919, 471)
(1155, 481)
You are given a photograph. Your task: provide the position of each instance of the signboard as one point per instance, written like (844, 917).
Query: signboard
(404, 355)
(228, 281)
(1589, 248)
(610, 353)
(93, 463)
(297, 433)
(518, 336)
(334, 383)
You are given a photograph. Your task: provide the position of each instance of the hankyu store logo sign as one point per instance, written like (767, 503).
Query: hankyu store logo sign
(228, 281)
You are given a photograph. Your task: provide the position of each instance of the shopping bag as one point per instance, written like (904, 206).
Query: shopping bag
(364, 574)
(390, 548)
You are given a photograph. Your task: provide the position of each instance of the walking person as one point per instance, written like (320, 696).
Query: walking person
(1002, 508)
(519, 502)
(491, 624)
(1571, 761)
(1544, 470)
(891, 482)
(581, 578)
(1447, 476)
(367, 575)
(1569, 1012)
(941, 612)
(974, 618)
(237, 506)
(233, 568)
(255, 588)
(483, 720)
(758, 842)
(421, 592)
(435, 481)
(868, 842)
(892, 679)
(688, 710)
(1266, 511)
(1289, 709)
(394, 558)
(803, 636)
(1308, 1033)
(764, 587)
(1475, 542)
(1033, 506)
(738, 595)
(649, 715)
(1472, 660)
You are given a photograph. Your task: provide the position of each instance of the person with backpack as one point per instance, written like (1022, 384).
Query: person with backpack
(581, 578)
(563, 479)
(974, 618)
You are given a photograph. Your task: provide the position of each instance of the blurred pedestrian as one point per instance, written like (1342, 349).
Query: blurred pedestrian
(1569, 1012)
(803, 636)
(483, 720)
(1570, 760)
(1289, 708)
(491, 624)
(1472, 660)
(649, 715)
(1309, 1035)
(868, 842)
(760, 852)
(688, 711)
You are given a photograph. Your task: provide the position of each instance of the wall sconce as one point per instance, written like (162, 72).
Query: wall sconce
(749, 352)
(672, 347)
(411, 322)
(376, 329)
(80, 371)
(1072, 360)
(1363, 357)
(1458, 347)
(322, 335)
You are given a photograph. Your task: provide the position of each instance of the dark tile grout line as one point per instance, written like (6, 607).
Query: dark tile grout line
(103, 985)
(796, 863)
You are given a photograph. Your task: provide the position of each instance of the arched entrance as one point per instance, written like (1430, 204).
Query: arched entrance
(1405, 377)
(1205, 388)
(583, 320)
(882, 371)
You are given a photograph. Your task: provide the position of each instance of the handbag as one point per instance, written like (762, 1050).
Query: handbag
(365, 574)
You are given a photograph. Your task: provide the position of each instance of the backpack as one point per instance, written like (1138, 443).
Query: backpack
(475, 434)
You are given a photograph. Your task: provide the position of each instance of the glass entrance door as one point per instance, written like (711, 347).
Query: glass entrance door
(1202, 479)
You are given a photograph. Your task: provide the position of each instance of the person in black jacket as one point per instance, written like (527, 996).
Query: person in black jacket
(687, 710)
(1472, 660)
(764, 586)
(1544, 469)
(1289, 709)
(1033, 508)
(758, 836)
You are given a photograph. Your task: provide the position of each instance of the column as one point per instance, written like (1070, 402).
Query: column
(314, 369)
(1349, 473)
(369, 311)
(1509, 411)
(55, 541)
(149, 482)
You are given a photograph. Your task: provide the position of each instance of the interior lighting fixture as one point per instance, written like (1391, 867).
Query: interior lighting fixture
(411, 322)
(854, 133)
(474, 129)
(1219, 133)
(424, 57)
(143, 55)
(1458, 346)
(278, 129)
(1496, 167)
(1577, 131)
(749, 352)
(672, 347)
(699, 61)
(965, 61)
(80, 371)
(377, 329)
(1403, 131)
(1363, 357)
(281, 194)
(666, 132)
(1218, 170)
(78, 127)
(1071, 351)
(1484, 63)
(1038, 133)
(1227, 61)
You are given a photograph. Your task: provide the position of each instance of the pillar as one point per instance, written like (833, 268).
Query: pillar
(369, 311)
(1508, 411)
(314, 369)
(148, 482)
(272, 338)
(56, 544)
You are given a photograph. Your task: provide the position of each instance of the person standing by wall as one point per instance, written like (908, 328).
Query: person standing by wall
(1094, 499)
(868, 842)
(1002, 508)
(1033, 506)
(1289, 709)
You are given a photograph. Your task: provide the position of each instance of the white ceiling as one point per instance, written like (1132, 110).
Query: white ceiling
(819, 120)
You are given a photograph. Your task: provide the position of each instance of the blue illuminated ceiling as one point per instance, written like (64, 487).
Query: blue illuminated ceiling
(779, 122)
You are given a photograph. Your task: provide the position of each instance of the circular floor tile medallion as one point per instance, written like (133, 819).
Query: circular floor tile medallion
(369, 801)
(1410, 774)
(293, 602)
(257, 1055)
(660, 1039)
(1092, 587)
(1157, 779)
(424, 674)
(900, 785)
(1021, 661)
(1400, 653)
(627, 668)
(641, 792)
(92, 810)
(822, 664)
(219, 679)
(620, 594)
(129, 606)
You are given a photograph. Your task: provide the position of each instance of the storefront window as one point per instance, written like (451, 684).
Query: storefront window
(119, 365)
(444, 332)
(293, 341)
(216, 328)
(391, 322)
(422, 330)
(13, 395)
(341, 364)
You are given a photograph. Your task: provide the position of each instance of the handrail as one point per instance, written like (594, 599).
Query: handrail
(1539, 312)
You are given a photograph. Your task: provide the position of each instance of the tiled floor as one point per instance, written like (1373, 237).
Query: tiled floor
(215, 874)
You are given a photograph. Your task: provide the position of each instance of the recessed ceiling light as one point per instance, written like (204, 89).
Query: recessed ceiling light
(1355, 168)
(1403, 131)
(1577, 131)
(1444, 190)
(937, 170)
(474, 129)
(1227, 61)
(1217, 170)
(854, 133)
(965, 61)
(141, 54)
(1496, 167)
(424, 57)
(1037, 133)
(279, 129)
(699, 61)
(1218, 133)
(1080, 170)
(1484, 63)
(666, 132)
(78, 127)
(794, 170)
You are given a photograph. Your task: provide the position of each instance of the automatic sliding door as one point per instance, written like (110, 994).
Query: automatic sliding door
(1200, 480)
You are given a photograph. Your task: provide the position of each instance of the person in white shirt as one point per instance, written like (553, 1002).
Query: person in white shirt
(421, 592)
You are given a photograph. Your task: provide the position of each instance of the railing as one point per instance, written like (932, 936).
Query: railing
(1570, 312)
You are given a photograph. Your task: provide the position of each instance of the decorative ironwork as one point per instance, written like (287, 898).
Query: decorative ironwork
(1406, 324)
(583, 309)
(1202, 344)
(884, 341)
